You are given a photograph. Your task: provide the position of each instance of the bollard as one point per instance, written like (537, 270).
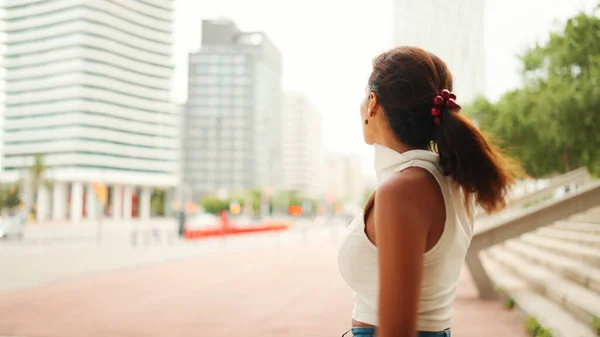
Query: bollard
(181, 223)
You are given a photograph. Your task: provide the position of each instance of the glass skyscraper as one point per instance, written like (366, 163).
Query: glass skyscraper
(233, 114)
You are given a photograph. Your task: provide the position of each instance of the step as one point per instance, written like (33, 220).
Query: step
(582, 303)
(586, 217)
(572, 269)
(583, 227)
(588, 239)
(595, 210)
(576, 251)
(548, 313)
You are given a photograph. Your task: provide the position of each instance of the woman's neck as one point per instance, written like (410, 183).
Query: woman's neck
(394, 144)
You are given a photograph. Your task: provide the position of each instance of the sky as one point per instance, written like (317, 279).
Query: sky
(328, 45)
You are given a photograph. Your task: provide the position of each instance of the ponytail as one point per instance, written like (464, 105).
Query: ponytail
(479, 168)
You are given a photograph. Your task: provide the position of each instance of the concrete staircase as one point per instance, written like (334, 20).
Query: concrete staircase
(553, 273)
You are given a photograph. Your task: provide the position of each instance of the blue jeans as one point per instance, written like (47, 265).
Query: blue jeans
(370, 332)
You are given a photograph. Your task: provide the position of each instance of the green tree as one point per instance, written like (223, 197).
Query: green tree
(551, 123)
(157, 202)
(212, 204)
(9, 197)
(34, 180)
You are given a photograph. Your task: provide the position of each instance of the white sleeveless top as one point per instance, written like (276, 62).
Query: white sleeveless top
(442, 264)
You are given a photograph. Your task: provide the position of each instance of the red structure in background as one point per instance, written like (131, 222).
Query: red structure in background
(134, 205)
(225, 227)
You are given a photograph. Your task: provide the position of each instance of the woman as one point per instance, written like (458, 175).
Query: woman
(403, 257)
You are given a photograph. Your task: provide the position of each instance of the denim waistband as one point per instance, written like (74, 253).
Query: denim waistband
(370, 332)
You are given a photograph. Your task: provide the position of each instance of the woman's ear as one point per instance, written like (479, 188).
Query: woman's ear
(373, 105)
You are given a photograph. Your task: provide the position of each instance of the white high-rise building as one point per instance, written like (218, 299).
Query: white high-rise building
(303, 166)
(453, 30)
(345, 179)
(88, 89)
(2, 78)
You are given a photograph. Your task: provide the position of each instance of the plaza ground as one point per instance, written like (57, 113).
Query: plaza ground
(285, 287)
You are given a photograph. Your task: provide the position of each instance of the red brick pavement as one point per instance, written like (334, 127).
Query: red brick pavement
(290, 291)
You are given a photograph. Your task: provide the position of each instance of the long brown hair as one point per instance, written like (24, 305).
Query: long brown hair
(405, 81)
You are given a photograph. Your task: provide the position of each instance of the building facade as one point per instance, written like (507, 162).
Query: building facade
(453, 30)
(233, 114)
(303, 158)
(88, 90)
(345, 179)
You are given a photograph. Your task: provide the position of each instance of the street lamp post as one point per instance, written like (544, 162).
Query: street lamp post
(181, 178)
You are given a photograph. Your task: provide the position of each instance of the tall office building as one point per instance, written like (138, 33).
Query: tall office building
(345, 179)
(2, 78)
(303, 158)
(233, 114)
(453, 30)
(88, 89)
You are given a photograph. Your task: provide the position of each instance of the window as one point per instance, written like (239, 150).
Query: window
(214, 58)
(227, 69)
(227, 59)
(208, 79)
(227, 90)
(240, 59)
(213, 101)
(240, 102)
(240, 70)
(213, 69)
(241, 80)
(209, 111)
(240, 91)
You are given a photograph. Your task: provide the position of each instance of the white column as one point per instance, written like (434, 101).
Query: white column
(76, 202)
(91, 203)
(43, 203)
(59, 201)
(117, 202)
(145, 203)
(127, 202)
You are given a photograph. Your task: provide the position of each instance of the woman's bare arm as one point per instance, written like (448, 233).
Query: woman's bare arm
(407, 206)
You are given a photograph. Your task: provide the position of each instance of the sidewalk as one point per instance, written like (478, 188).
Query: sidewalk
(286, 291)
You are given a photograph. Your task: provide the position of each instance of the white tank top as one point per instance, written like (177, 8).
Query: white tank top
(442, 264)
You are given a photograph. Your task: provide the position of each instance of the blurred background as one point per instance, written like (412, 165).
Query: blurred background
(186, 167)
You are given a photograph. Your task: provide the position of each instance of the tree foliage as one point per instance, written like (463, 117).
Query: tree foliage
(552, 123)
(157, 202)
(9, 197)
(212, 204)
(280, 201)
